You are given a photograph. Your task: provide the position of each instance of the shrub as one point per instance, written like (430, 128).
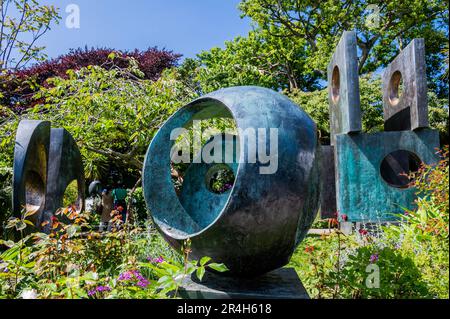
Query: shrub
(423, 234)
(412, 257)
(19, 87)
(73, 261)
(5, 196)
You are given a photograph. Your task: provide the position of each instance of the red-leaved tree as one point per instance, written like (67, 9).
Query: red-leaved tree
(18, 87)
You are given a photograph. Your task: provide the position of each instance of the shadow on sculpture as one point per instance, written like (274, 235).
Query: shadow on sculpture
(46, 161)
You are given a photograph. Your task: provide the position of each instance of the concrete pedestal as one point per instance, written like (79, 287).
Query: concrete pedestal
(282, 283)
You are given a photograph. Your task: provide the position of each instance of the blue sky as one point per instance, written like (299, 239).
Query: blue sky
(186, 27)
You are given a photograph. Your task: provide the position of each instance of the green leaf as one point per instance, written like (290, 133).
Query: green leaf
(200, 272)
(28, 222)
(218, 267)
(204, 260)
(72, 230)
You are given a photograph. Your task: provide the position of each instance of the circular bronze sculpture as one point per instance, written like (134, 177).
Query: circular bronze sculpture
(255, 226)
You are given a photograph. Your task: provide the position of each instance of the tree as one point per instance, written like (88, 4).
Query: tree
(18, 87)
(258, 59)
(112, 114)
(293, 41)
(382, 27)
(22, 24)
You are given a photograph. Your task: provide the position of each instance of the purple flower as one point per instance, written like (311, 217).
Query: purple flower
(125, 276)
(158, 260)
(103, 288)
(373, 258)
(140, 280)
(100, 289)
(143, 283)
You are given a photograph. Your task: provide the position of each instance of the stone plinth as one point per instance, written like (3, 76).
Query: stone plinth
(282, 283)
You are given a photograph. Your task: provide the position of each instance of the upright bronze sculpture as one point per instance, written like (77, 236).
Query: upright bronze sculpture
(370, 169)
(46, 161)
(30, 168)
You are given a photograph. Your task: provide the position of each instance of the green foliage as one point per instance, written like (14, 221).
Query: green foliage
(424, 233)
(258, 59)
(412, 257)
(317, 258)
(139, 208)
(222, 180)
(382, 27)
(71, 194)
(399, 277)
(5, 196)
(74, 261)
(112, 115)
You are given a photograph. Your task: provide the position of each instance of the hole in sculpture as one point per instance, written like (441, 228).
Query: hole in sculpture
(186, 149)
(397, 166)
(219, 179)
(335, 85)
(70, 197)
(34, 192)
(395, 88)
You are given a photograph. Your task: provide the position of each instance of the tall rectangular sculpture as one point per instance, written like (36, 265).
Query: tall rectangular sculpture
(345, 112)
(371, 169)
(405, 100)
(343, 88)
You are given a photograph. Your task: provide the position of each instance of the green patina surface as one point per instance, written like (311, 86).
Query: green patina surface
(362, 193)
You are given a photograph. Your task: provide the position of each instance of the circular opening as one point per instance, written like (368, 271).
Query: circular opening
(397, 167)
(34, 192)
(181, 204)
(395, 88)
(335, 85)
(219, 179)
(190, 144)
(70, 197)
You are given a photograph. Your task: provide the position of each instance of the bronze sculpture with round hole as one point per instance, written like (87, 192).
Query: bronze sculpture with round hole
(255, 226)
(45, 162)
